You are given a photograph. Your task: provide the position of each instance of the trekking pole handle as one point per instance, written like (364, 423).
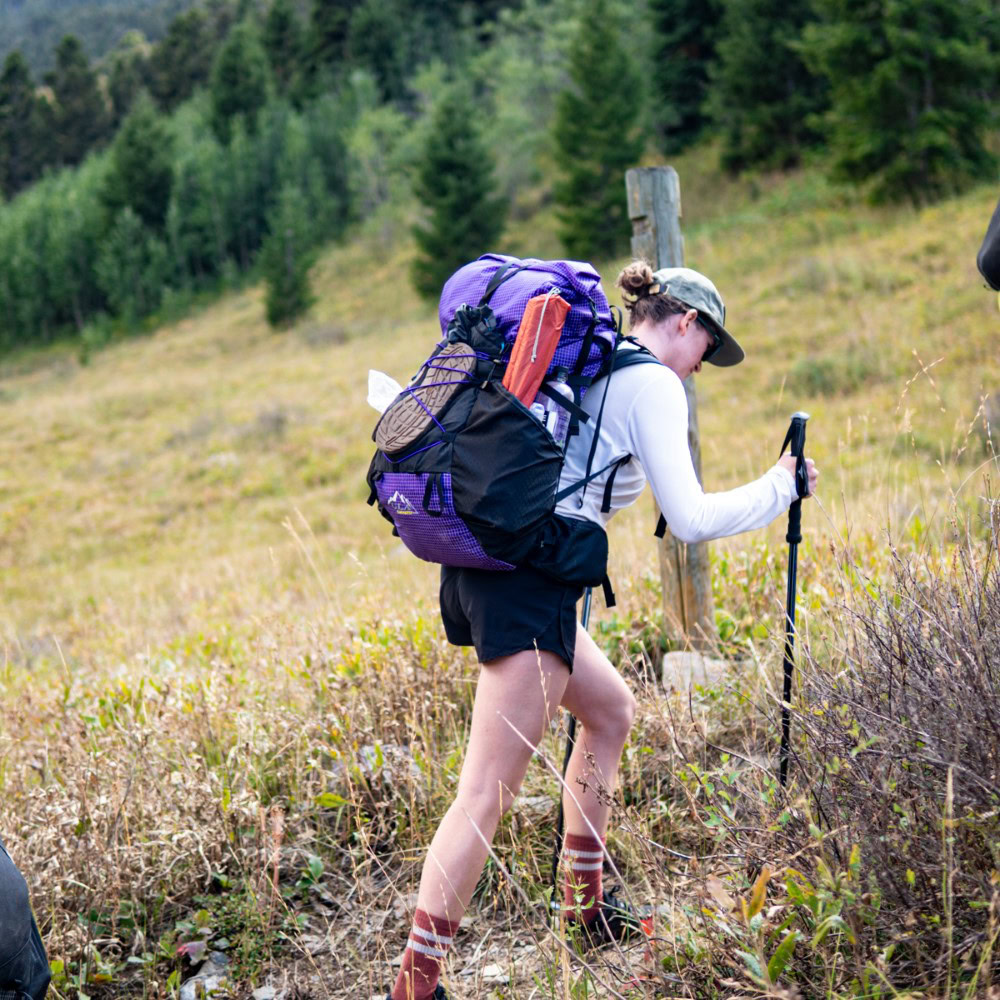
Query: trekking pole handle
(795, 442)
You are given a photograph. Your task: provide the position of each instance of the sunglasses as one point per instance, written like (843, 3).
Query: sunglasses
(714, 346)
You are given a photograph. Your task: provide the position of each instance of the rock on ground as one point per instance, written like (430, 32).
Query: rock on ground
(683, 670)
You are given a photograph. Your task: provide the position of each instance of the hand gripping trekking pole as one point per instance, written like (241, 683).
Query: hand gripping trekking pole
(795, 440)
(570, 741)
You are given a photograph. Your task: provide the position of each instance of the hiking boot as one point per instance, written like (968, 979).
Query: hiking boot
(439, 994)
(412, 412)
(617, 920)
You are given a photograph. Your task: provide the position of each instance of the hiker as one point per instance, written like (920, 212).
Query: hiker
(535, 657)
(24, 967)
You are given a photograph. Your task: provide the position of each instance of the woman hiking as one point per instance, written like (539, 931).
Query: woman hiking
(534, 655)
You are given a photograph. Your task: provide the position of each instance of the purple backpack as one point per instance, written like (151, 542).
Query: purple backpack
(465, 472)
(588, 334)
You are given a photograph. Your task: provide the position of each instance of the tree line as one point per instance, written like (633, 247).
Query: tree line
(254, 131)
(34, 27)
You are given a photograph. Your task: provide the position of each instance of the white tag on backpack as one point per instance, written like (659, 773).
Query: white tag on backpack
(382, 390)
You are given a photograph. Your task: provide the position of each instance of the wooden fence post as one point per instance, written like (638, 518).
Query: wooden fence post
(654, 206)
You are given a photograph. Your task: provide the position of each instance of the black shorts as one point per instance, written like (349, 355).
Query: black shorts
(502, 613)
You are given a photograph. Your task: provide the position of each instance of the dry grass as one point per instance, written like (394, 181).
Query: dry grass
(213, 649)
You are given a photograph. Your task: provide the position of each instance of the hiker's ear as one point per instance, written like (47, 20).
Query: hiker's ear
(687, 319)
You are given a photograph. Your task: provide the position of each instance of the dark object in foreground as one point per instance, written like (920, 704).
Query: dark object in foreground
(795, 441)
(24, 966)
(988, 258)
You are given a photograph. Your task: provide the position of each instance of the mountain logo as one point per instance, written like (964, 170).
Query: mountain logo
(400, 504)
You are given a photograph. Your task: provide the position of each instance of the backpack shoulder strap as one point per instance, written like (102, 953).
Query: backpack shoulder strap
(624, 359)
(640, 356)
(588, 475)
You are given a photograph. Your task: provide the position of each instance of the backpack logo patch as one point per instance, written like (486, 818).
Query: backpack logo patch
(400, 504)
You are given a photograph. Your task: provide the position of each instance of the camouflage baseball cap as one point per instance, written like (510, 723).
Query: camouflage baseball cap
(697, 292)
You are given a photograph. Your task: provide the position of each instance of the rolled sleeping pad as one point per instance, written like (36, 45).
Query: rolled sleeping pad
(988, 258)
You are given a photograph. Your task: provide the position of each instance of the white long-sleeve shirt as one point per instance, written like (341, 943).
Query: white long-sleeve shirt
(646, 416)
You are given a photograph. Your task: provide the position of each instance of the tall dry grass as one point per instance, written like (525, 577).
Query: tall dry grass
(273, 795)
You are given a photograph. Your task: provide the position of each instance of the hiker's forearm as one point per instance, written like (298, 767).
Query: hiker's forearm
(692, 514)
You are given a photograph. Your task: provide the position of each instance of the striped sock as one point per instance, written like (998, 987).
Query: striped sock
(424, 956)
(584, 859)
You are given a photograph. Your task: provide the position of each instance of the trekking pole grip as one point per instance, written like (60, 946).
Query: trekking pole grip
(795, 441)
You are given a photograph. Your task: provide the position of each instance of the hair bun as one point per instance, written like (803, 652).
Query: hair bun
(636, 280)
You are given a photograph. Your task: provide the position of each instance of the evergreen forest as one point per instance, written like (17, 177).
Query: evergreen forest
(217, 141)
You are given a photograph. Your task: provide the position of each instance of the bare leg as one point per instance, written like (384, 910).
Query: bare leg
(601, 701)
(519, 692)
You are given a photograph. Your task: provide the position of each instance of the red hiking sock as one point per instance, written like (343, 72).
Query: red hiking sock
(430, 938)
(584, 859)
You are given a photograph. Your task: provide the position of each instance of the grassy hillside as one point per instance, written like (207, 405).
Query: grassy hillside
(150, 487)
(204, 625)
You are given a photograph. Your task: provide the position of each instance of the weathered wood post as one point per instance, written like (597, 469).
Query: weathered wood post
(654, 206)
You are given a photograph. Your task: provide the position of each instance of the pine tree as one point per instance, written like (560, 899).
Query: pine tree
(81, 118)
(329, 24)
(128, 73)
(484, 13)
(376, 43)
(327, 123)
(910, 84)
(74, 229)
(282, 38)
(762, 95)
(141, 166)
(598, 137)
(196, 222)
(454, 181)
(240, 77)
(132, 267)
(221, 16)
(22, 144)
(683, 48)
(182, 61)
(286, 258)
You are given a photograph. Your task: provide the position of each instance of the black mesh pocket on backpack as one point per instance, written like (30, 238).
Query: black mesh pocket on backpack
(504, 472)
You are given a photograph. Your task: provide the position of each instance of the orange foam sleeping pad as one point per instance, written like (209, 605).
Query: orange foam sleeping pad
(535, 344)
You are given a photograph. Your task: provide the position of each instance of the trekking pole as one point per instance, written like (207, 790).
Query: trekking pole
(570, 742)
(795, 441)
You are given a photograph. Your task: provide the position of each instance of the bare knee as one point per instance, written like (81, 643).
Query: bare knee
(626, 714)
(613, 718)
(485, 800)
